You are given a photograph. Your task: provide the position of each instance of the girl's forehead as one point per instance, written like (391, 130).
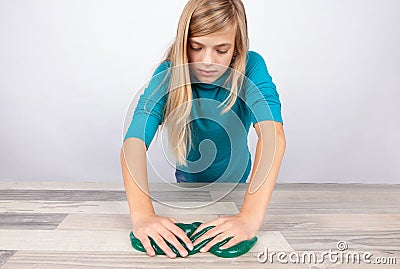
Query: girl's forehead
(223, 37)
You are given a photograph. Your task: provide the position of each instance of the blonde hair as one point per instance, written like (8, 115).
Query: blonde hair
(199, 18)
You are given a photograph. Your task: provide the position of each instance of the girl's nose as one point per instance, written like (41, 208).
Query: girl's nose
(208, 60)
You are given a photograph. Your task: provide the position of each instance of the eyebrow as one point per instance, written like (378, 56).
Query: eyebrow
(219, 45)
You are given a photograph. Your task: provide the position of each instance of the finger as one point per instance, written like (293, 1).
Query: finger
(209, 234)
(201, 227)
(171, 238)
(215, 222)
(163, 246)
(180, 234)
(232, 242)
(144, 239)
(216, 240)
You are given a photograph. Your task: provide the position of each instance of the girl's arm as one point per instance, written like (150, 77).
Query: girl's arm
(245, 225)
(144, 219)
(134, 173)
(264, 175)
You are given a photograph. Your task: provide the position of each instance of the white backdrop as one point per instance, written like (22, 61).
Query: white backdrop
(70, 68)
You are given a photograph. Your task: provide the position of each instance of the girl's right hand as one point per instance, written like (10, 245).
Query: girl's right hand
(160, 228)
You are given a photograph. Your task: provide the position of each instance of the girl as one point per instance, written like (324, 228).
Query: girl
(200, 94)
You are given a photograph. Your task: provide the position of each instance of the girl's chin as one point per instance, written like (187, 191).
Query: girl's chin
(207, 79)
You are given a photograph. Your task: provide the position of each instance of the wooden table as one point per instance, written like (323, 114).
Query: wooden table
(86, 224)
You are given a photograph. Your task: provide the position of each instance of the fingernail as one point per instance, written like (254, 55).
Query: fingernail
(190, 247)
(203, 250)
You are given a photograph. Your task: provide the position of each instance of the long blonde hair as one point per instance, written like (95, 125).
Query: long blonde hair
(199, 18)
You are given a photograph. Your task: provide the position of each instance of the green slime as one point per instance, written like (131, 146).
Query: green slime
(189, 228)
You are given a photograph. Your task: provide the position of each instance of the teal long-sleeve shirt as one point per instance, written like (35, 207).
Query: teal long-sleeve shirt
(220, 151)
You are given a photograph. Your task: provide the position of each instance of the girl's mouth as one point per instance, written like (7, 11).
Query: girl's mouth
(207, 73)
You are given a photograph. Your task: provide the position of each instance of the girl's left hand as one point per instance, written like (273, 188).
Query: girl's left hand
(239, 227)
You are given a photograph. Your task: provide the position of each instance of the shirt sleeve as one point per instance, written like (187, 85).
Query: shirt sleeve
(261, 96)
(149, 111)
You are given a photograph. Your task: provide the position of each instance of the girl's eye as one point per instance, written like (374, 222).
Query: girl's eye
(222, 51)
(195, 49)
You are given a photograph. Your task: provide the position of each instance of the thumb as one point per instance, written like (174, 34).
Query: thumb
(172, 219)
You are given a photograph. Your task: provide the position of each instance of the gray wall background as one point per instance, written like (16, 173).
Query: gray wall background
(70, 68)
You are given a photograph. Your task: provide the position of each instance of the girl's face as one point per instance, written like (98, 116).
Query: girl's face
(211, 55)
